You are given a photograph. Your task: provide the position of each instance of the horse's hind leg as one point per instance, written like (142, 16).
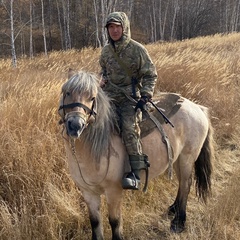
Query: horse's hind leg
(93, 203)
(114, 199)
(183, 169)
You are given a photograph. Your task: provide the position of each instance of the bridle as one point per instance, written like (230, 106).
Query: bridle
(89, 115)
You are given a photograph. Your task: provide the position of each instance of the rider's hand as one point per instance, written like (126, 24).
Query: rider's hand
(102, 82)
(142, 103)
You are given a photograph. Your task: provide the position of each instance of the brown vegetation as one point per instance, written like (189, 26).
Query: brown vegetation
(38, 200)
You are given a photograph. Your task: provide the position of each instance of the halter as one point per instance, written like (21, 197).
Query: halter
(90, 113)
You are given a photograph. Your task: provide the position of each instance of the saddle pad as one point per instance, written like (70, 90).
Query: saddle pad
(168, 103)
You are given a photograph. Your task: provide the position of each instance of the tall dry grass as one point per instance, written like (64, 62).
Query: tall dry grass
(38, 199)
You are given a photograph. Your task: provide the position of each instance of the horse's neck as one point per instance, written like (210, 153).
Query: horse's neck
(111, 165)
(82, 152)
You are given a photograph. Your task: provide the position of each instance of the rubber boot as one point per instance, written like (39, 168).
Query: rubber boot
(132, 180)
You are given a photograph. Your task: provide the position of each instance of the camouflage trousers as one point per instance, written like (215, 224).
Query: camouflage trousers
(128, 121)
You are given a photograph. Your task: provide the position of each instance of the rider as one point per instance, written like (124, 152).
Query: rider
(128, 78)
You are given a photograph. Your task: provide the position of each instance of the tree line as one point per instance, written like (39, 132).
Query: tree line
(29, 27)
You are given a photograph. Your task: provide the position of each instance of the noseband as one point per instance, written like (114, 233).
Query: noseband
(91, 113)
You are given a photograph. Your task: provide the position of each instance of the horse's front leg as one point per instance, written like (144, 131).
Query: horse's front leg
(93, 203)
(114, 200)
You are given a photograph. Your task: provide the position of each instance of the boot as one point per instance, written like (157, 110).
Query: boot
(132, 180)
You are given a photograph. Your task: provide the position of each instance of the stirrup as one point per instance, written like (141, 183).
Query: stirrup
(130, 181)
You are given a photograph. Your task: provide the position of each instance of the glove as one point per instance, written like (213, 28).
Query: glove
(142, 103)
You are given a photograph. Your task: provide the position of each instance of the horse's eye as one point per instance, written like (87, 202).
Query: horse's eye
(93, 98)
(68, 94)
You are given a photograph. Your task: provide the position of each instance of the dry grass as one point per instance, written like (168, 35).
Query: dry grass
(38, 200)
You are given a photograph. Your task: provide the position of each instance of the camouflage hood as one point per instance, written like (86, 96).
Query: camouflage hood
(120, 17)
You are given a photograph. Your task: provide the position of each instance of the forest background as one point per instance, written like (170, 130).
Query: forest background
(29, 27)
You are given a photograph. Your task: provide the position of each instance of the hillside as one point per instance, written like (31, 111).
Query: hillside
(38, 199)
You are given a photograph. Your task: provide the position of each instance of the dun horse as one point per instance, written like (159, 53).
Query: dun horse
(97, 158)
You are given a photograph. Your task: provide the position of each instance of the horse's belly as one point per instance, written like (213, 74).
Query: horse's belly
(156, 151)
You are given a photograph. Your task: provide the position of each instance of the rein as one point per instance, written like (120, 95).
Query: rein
(72, 144)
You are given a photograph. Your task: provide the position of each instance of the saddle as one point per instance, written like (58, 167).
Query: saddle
(168, 103)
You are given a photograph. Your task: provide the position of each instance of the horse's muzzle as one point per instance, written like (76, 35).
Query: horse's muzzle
(75, 125)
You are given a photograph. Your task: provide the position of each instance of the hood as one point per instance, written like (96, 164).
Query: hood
(120, 17)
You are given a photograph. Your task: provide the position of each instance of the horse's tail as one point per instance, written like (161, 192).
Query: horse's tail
(203, 165)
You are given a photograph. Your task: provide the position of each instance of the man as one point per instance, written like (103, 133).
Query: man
(128, 78)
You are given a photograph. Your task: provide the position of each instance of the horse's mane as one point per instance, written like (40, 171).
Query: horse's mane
(96, 135)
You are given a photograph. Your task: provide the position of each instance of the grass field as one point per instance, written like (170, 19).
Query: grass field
(38, 199)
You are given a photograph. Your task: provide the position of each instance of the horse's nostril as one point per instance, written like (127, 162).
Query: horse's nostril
(73, 126)
(69, 125)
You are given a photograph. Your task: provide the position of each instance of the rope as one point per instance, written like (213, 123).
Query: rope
(71, 141)
(72, 144)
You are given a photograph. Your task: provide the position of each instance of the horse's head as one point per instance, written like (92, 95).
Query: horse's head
(77, 104)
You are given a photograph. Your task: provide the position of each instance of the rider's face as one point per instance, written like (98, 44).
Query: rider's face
(115, 31)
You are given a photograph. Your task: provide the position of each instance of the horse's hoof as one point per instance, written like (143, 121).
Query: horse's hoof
(177, 227)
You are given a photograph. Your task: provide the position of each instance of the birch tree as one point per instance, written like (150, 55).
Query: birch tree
(14, 56)
(234, 21)
(44, 29)
(175, 14)
(31, 29)
(9, 10)
(153, 21)
(60, 24)
(96, 4)
(66, 23)
(104, 16)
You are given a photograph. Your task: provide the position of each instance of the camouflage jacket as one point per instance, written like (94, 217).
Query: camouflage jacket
(135, 58)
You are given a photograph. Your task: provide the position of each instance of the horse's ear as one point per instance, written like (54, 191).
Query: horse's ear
(71, 72)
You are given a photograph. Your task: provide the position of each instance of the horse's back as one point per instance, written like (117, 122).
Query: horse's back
(186, 138)
(191, 124)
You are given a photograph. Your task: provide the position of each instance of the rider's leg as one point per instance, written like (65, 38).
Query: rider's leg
(131, 137)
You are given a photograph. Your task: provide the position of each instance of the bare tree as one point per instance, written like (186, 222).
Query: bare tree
(60, 24)
(43, 29)
(31, 30)
(153, 21)
(130, 4)
(95, 4)
(104, 15)
(175, 13)
(12, 33)
(14, 56)
(234, 21)
(66, 23)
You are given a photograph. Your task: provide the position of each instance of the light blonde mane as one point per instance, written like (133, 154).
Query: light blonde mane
(96, 135)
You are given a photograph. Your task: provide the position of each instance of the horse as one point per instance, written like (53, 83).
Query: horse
(97, 157)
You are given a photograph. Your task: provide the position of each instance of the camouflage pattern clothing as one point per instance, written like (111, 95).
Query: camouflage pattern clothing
(140, 67)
